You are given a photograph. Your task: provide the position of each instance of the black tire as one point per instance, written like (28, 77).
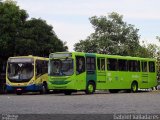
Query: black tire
(44, 89)
(134, 87)
(19, 92)
(90, 89)
(113, 90)
(67, 92)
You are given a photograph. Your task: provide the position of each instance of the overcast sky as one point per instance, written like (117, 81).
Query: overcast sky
(70, 18)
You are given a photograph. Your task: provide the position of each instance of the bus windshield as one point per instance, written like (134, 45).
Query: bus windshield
(20, 71)
(61, 67)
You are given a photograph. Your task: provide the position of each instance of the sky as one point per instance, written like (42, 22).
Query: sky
(70, 18)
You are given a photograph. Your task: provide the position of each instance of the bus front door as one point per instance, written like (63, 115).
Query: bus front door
(91, 68)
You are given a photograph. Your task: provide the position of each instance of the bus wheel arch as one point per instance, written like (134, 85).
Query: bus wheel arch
(134, 86)
(91, 87)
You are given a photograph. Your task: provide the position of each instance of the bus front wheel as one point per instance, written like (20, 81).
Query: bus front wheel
(19, 92)
(44, 89)
(134, 87)
(90, 88)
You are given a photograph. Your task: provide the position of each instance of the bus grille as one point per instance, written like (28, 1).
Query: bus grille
(59, 81)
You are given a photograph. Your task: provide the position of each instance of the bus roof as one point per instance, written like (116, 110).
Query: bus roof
(109, 56)
(30, 56)
(126, 57)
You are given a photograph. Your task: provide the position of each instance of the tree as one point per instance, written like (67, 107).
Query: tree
(11, 20)
(148, 50)
(151, 51)
(112, 36)
(158, 56)
(39, 39)
(19, 36)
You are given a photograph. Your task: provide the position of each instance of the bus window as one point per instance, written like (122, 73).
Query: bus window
(38, 68)
(101, 64)
(112, 64)
(90, 63)
(122, 65)
(41, 67)
(80, 64)
(138, 66)
(134, 66)
(98, 63)
(151, 66)
(144, 67)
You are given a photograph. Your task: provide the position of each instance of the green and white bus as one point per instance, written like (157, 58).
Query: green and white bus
(77, 71)
(27, 73)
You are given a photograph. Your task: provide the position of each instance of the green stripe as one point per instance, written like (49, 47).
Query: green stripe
(59, 82)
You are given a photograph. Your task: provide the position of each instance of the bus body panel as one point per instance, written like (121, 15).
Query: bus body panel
(101, 80)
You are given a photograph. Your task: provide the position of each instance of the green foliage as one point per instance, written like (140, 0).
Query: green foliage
(19, 36)
(148, 50)
(158, 56)
(158, 38)
(39, 39)
(112, 36)
(11, 20)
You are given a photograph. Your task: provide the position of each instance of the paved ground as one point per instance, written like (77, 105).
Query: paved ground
(79, 103)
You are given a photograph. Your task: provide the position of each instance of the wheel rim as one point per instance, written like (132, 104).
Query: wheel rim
(90, 88)
(134, 87)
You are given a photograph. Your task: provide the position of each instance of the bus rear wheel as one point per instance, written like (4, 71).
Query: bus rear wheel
(134, 87)
(90, 88)
(67, 92)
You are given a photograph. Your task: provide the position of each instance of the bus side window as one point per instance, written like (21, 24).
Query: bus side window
(44, 67)
(101, 64)
(39, 67)
(151, 66)
(138, 66)
(130, 65)
(112, 64)
(98, 63)
(134, 65)
(122, 65)
(144, 66)
(80, 64)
